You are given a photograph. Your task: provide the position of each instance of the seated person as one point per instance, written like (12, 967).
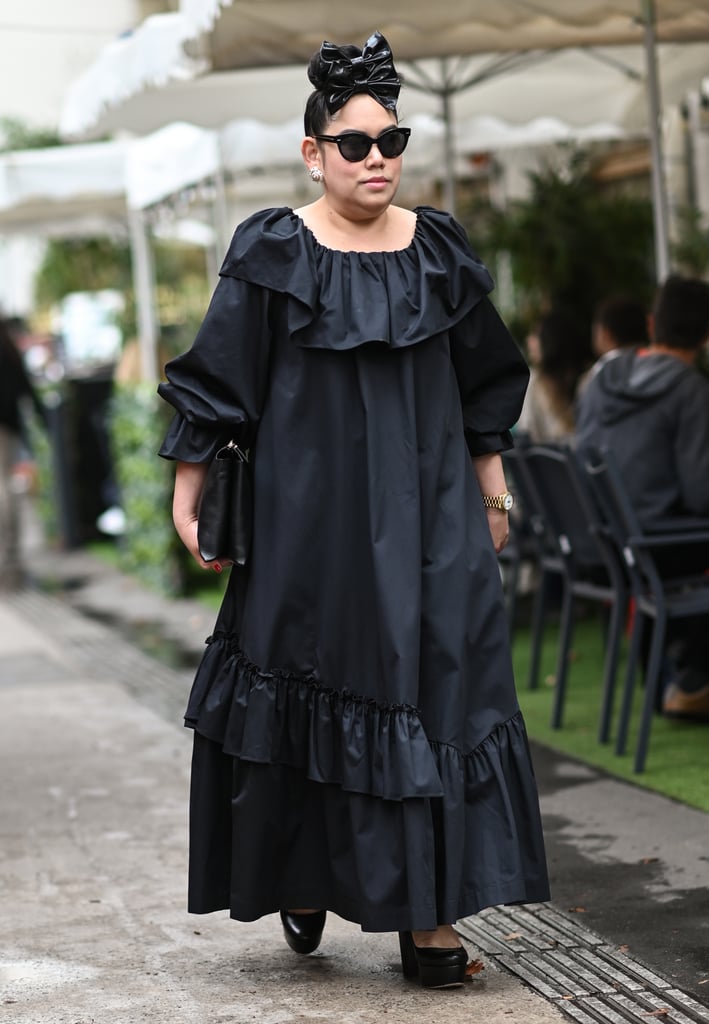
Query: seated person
(559, 352)
(650, 406)
(618, 323)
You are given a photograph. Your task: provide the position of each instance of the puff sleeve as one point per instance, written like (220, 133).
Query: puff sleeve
(492, 377)
(219, 385)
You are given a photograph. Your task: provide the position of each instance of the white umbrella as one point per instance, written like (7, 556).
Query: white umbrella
(168, 161)
(250, 33)
(249, 145)
(491, 133)
(236, 34)
(62, 189)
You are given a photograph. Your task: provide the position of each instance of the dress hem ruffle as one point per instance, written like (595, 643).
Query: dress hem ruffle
(376, 919)
(335, 737)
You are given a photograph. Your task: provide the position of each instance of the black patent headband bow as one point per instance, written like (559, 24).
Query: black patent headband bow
(371, 71)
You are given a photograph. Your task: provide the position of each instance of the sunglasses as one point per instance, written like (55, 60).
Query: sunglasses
(355, 146)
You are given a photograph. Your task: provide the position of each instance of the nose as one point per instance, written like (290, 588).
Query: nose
(374, 156)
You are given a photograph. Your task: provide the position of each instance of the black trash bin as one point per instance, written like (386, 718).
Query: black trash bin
(82, 461)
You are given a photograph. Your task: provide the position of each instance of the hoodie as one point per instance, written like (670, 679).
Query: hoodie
(652, 411)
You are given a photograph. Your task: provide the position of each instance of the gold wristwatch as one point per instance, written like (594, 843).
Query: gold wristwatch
(502, 501)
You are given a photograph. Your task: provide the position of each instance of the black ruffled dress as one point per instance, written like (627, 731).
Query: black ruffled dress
(358, 742)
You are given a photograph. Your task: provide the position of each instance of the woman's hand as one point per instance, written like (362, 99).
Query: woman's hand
(499, 523)
(189, 481)
(187, 531)
(491, 477)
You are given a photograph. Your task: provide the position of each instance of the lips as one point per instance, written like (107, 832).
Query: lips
(376, 181)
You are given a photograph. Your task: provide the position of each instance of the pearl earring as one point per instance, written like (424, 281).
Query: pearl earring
(316, 174)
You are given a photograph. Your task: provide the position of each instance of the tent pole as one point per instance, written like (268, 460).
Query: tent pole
(448, 146)
(144, 289)
(659, 185)
(694, 164)
(220, 209)
(215, 253)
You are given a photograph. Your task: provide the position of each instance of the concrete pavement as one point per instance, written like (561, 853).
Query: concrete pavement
(93, 803)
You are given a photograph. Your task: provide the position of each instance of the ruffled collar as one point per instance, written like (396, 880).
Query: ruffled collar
(340, 300)
(354, 252)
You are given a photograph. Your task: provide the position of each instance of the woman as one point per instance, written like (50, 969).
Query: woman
(559, 354)
(16, 394)
(358, 744)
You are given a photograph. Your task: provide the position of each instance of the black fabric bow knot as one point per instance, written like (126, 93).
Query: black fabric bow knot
(371, 70)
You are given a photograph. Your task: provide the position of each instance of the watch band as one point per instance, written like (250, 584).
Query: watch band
(504, 502)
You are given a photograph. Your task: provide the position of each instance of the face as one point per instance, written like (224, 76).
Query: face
(369, 185)
(601, 341)
(534, 348)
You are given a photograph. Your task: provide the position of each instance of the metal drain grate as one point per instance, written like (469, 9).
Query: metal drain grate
(587, 979)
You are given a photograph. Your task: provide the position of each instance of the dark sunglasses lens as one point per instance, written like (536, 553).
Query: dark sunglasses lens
(354, 147)
(392, 143)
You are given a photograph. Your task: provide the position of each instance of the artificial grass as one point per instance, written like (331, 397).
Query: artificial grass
(678, 758)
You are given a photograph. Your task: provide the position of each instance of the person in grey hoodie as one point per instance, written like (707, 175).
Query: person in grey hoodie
(619, 322)
(650, 406)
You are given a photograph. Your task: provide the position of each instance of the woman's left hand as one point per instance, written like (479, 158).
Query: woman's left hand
(189, 481)
(491, 477)
(499, 523)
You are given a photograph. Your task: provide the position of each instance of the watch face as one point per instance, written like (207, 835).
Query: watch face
(507, 502)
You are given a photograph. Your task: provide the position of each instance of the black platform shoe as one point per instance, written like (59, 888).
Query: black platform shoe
(433, 966)
(303, 931)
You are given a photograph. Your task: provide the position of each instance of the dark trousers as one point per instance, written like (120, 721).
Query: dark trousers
(688, 639)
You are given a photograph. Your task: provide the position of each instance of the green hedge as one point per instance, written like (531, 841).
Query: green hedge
(150, 548)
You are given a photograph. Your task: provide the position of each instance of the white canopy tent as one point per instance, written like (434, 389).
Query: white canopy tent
(69, 190)
(215, 59)
(577, 86)
(78, 189)
(168, 160)
(228, 35)
(230, 173)
(106, 188)
(85, 188)
(254, 163)
(249, 33)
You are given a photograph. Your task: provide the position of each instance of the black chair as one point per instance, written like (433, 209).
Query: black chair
(520, 552)
(656, 597)
(591, 569)
(530, 533)
(511, 560)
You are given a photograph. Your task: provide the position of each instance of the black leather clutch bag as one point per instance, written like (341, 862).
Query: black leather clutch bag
(225, 519)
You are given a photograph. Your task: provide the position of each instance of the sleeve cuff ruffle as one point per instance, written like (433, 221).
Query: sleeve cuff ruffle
(488, 444)
(188, 442)
(397, 298)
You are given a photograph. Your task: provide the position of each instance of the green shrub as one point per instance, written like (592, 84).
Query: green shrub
(570, 244)
(149, 549)
(46, 502)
